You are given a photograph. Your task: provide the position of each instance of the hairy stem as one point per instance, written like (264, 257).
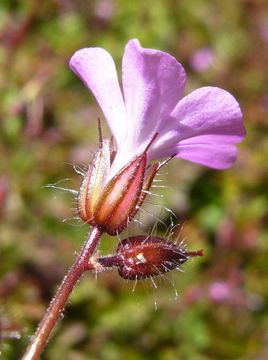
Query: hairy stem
(58, 303)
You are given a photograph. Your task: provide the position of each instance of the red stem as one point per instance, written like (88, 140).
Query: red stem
(57, 304)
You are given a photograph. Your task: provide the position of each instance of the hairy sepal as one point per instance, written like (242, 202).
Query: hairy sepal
(112, 204)
(94, 182)
(117, 204)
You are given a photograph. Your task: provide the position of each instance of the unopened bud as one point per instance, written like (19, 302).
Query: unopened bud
(140, 257)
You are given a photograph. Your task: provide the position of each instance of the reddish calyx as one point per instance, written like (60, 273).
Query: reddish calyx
(112, 204)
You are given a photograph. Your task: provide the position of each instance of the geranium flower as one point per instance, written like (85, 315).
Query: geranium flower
(202, 127)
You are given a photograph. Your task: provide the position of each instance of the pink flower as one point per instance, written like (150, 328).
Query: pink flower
(202, 127)
(105, 9)
(264, 31)
(219, 291)
(148, 122)
(202, 59)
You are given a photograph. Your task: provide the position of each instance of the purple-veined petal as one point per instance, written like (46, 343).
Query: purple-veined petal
(153, 82)
(96, 69)
(202, 128)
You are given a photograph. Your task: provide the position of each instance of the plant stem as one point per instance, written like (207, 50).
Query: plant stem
(57, 304)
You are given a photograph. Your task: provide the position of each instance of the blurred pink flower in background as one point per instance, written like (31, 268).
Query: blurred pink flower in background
(202, 59)
(105, 9)
(263, 102)
(264, 31)
(219, 291)
(3, 193)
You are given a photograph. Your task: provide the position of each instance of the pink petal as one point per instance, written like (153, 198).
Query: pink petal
(96, 69)
(153, 82)
(215, 155)
(209, 122)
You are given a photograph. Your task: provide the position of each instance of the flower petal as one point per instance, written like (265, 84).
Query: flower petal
(215, 155)
(203, 128)
(96, 69)
(153, 82)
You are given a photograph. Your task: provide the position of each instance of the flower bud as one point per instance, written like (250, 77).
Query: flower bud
(140, 257)
(112, 204)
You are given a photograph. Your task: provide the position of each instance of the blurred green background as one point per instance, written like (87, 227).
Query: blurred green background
(48, 122)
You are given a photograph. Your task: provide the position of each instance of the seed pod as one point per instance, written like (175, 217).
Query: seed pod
(140, 257)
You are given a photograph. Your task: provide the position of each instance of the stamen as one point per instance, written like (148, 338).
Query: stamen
(100, 134)
(150, 143)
